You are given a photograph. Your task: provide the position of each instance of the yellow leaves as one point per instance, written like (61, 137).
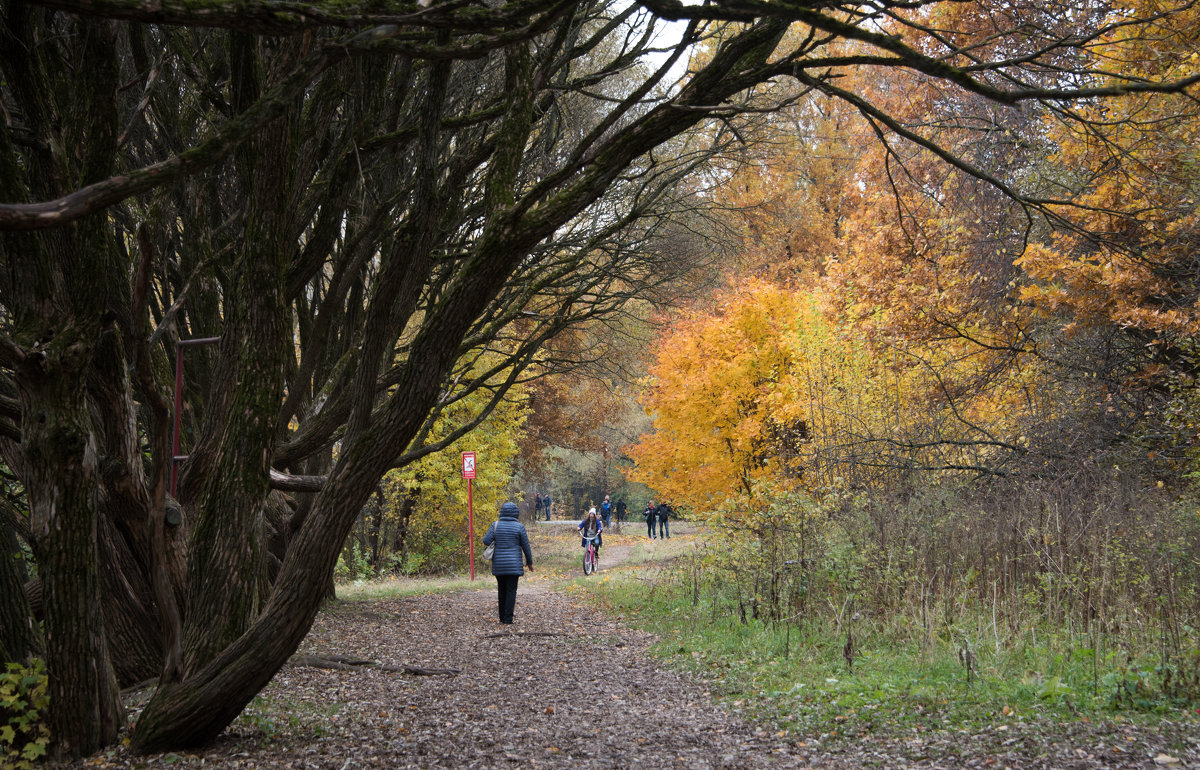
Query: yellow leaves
(436, 480)
(717, 381)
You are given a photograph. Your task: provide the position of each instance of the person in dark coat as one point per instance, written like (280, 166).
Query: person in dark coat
(650, 515)
(621, 508)
(664, 513)
(512, 542)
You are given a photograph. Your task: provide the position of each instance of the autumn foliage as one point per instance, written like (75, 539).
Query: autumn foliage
(966, 364)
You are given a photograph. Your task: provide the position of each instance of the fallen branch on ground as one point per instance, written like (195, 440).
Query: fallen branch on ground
(345, 663)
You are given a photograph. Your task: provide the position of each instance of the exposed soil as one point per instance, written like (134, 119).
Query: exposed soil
(567, 686)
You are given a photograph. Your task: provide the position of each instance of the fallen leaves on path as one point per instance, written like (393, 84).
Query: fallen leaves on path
(566, 686)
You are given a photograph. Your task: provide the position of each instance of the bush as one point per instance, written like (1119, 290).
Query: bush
(24, 736)
(352, 564)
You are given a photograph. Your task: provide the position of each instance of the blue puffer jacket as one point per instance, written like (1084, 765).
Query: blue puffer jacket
(511, 540)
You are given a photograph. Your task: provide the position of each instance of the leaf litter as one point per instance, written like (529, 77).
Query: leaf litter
(568, 686)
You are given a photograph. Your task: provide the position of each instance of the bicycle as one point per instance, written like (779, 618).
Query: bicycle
(589, 556)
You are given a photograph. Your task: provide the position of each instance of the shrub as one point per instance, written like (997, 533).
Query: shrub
(24, 736)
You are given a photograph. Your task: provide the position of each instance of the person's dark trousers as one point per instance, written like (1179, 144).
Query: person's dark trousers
(506, 590)
(650, 528)
(663, 529)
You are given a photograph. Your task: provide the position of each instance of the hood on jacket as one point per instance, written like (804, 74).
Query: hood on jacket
(509, 511)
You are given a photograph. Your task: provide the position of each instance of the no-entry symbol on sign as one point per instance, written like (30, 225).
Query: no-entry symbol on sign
(468, 465)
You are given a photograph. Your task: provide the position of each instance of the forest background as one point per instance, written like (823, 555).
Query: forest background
(899, 302)
(900, 391)
(975, 393)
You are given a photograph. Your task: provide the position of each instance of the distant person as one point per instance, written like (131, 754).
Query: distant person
(538, 504)
(606, 511)
(512, 542)
(622, 510)
(664, 513)
(591, 526)
(546, 504)
(650, 515)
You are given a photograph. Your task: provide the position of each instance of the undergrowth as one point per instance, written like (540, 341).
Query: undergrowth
(893, 677)
(24, 736)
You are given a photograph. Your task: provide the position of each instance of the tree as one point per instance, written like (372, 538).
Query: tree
(718, 399)
(425, 503)
(353, 199)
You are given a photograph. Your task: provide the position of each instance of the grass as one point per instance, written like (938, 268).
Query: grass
(399, 587)
(797, 678)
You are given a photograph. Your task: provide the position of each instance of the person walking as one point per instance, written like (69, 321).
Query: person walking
(621, 510)
(537, 507)
(606, 511)
(650, 515)
(512, 542)
(664, 513)
(546, 505)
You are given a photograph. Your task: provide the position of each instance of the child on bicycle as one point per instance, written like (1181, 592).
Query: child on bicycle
(591, 526)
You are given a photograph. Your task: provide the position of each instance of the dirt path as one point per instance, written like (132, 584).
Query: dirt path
(565, 686)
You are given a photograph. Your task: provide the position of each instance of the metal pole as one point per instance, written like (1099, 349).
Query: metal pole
(176, 458)
(178, 409)
(471, 527)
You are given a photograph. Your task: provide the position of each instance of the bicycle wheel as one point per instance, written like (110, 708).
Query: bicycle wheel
(589, 561)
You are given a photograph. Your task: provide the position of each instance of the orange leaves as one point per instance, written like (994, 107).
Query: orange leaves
(1129, 261)
(717, 384)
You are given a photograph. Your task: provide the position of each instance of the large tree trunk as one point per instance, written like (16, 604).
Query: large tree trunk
(19, 636)
(65, 319)
(60, 449)
(226, 555)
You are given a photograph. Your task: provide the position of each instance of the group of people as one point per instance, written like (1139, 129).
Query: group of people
(608, 510)
(593, 523)
(657, 514)
(542, 506)
(511, 554)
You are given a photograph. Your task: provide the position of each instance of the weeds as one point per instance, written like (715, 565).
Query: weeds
(903, 678)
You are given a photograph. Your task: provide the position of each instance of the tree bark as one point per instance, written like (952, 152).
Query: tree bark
(19, 636)
(60, 446)
(233, 458)
(63, 324)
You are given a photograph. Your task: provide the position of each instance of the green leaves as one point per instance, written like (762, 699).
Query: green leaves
(24, 736)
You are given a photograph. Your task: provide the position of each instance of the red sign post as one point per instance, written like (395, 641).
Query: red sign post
(468, 472)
